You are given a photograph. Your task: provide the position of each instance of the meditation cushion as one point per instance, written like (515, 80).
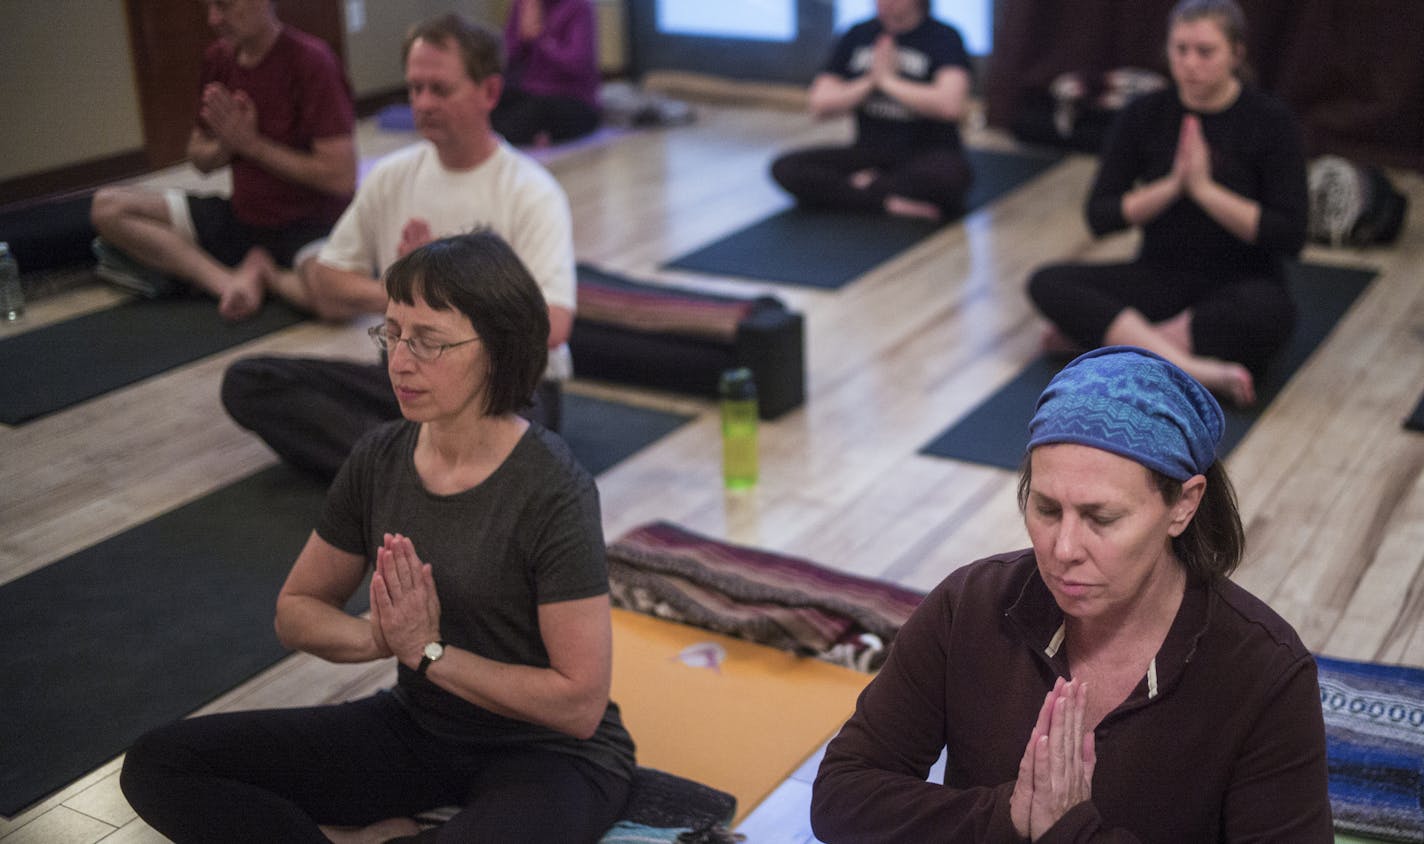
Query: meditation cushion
(682, 340)
(49, 234)
(660, 807)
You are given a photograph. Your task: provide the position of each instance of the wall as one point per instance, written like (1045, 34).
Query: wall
(373, 53)
(67, 92)
(66, 85)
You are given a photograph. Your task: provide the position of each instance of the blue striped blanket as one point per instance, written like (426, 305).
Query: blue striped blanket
(1374, 731)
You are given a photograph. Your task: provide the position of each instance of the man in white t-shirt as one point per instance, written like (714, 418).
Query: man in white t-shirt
(461, 177)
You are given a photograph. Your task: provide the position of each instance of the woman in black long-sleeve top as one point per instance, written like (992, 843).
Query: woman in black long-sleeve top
(1213, 171)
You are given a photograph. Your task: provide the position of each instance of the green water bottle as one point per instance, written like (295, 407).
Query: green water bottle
(739, 428)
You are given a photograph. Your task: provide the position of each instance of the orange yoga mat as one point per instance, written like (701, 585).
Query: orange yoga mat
(742, 725)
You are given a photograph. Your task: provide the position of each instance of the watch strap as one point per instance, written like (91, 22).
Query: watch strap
(425, 660)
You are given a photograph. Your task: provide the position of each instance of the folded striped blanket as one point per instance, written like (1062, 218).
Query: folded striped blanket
(786, 602)
(669, 310)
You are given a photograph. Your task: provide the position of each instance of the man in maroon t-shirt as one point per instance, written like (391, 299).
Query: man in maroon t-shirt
(276, 106)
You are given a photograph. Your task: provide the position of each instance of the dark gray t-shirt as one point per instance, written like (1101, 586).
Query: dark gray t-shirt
(530, 534)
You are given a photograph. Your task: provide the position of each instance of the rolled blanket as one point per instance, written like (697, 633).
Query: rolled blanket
(785, 602)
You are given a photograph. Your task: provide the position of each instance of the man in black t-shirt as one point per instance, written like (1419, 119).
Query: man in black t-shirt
(906, 77)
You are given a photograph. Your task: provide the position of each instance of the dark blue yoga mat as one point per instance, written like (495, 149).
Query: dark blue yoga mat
(994, 433)
(152, 624)
(58, 366)
(827, 249)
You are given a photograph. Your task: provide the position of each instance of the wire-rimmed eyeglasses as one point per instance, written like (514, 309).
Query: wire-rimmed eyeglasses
(420, 349)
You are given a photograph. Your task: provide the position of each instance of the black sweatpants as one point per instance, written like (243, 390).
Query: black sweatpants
(274, 775)
(1246, 321)
(819, 177)
(521, 116)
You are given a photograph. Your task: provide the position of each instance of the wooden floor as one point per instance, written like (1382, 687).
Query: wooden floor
(1331, 487)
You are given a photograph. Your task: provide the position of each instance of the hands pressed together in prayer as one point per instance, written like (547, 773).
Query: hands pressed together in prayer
(1192, 165)
(884, 59)
(230, 117)
(405, 610)
(531, 19)
(1056, 771)
(414, 235)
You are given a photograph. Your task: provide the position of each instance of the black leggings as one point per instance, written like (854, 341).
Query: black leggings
(819, 177)
(274, 775)
(1246, 321)
(311, 411)
(521, 116)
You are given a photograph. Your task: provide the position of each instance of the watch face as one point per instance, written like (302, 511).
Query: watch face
(434, 651)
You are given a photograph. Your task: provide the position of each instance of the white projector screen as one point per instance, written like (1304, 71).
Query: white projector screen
(775, 20)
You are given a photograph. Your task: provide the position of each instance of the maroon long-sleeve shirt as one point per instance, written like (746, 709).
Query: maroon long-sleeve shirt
(1225, 743)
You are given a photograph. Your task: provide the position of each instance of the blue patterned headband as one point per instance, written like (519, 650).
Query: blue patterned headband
(1132, 403)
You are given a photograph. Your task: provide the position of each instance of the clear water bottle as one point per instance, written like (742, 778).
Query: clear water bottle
(12, 296)
(739, 428)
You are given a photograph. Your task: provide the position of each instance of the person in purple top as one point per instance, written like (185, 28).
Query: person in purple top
(551, 79)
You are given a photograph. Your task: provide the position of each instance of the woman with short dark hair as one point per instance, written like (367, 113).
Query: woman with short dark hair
(1109, 683)
(484, 544)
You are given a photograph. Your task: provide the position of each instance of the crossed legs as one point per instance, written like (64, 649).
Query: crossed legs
(140, 222)
(929, 184)
(1218, 333)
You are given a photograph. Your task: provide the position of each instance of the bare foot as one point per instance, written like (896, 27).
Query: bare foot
(376, 833)
(1230, 381)
(901, 206)
(861, 179)
(1177, 330)
(243, 296)
(1057, 343)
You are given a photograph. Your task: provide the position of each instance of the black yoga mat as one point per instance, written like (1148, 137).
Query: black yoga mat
(150, 625)
(994, 433)
(1415, 421)
(52, 368)
(827, 249)
(602, 433)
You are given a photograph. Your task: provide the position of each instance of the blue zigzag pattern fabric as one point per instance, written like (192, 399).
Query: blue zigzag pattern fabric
(1135, 404)
(1374, 732)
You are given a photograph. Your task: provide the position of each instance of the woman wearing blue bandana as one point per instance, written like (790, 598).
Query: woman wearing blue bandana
(1109, 683)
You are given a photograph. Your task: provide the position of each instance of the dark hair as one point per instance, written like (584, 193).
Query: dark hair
(481, 50)
(1227, 13)
(478, 275)
(1213, 542)
(1228, 16)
